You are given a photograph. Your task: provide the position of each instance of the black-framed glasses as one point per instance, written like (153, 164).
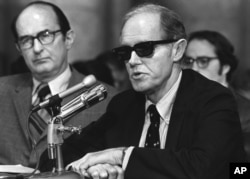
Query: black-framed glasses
(44, 37)
(202, 61)
(142, 49)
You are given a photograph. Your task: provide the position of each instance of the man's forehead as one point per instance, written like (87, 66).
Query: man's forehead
(142, 26)
(34, 19)
(201, 47)
(37, 10)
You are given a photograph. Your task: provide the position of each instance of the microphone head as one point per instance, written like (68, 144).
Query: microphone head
(89, 81)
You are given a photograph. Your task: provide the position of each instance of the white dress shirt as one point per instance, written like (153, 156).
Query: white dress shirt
(56, 86)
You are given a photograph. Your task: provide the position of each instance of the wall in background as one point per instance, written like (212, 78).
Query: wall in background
(229, 17)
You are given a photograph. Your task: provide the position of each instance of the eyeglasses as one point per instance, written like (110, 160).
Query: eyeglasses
(202, 61)
(45, 37)
(142, 49)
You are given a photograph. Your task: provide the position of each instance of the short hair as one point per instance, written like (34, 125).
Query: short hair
(223, 48)
(170, 21)
(61, 17)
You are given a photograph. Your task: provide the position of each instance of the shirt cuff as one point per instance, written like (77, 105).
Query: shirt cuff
(127, 154)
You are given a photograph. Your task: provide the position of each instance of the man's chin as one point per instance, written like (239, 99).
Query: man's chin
(43, 67)
(43, 71)
(140, 88)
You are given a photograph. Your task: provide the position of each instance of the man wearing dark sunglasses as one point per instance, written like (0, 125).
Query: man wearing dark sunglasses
(212, 55)
(174, 123)
(43, 37)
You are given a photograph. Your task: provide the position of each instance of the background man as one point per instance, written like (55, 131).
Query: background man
(172, 124)
(212, 55)
(43, 37)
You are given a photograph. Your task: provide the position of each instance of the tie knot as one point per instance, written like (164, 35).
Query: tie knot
(154, 115)
(43, 91)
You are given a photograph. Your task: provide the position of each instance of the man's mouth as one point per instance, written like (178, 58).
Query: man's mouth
(40, 60)
(137, 75)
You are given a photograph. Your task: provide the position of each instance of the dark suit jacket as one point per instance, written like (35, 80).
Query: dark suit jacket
(204, 133)
(244, 112)
(15, 95)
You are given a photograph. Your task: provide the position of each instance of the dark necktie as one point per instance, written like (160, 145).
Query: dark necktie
(153, 138)
(39, 119)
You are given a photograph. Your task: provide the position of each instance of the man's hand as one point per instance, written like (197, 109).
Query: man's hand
(99, 163)
(105, 171)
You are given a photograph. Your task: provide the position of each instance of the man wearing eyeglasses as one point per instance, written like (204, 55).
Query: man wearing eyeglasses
(212, 55)
(174, 123)
(43, 37)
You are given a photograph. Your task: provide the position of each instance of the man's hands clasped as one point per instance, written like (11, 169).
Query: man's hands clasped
(105, 164)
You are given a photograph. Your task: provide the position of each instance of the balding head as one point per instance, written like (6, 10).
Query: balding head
(60, 17)
(43, 37)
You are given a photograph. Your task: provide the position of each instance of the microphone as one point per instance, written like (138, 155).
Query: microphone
(84, 101)
(87, 82)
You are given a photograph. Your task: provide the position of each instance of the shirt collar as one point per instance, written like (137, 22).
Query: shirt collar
(56, 85)
(164, 106)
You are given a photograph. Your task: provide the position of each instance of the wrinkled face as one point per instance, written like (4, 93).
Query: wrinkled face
(44, 61)
(202, 48)
(148, 74)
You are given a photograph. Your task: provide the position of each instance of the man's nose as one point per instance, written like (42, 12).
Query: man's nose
(37, 45)
(195, 67)
(134, 59)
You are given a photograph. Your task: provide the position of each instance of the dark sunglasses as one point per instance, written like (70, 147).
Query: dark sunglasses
(142, 49)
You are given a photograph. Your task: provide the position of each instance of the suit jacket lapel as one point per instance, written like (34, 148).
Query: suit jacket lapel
(22, 102)
(178, 112)
(75, 79)
(134, 124)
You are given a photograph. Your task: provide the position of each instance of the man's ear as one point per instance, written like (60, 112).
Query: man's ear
(18, 48)
(69, 39)
(225, 69)
(179, 48)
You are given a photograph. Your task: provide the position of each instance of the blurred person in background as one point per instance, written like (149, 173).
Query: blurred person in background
(43, 37)
(118, 71)
(212, 55)
(242, 83)
(108, 68)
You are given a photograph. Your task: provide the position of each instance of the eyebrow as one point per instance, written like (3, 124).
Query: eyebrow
(25, 36)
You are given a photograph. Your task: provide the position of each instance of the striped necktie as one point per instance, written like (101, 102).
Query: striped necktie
(153, 137)
(39, 119)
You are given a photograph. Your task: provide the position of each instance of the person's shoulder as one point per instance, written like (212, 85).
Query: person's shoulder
(200, 83)
(126, 100)
(241, 100)
(14, 80)
(199, 90)
(202, 93)
(128, 96)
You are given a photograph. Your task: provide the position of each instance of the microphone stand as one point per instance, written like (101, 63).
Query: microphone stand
(56, 130)
(55, 140)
